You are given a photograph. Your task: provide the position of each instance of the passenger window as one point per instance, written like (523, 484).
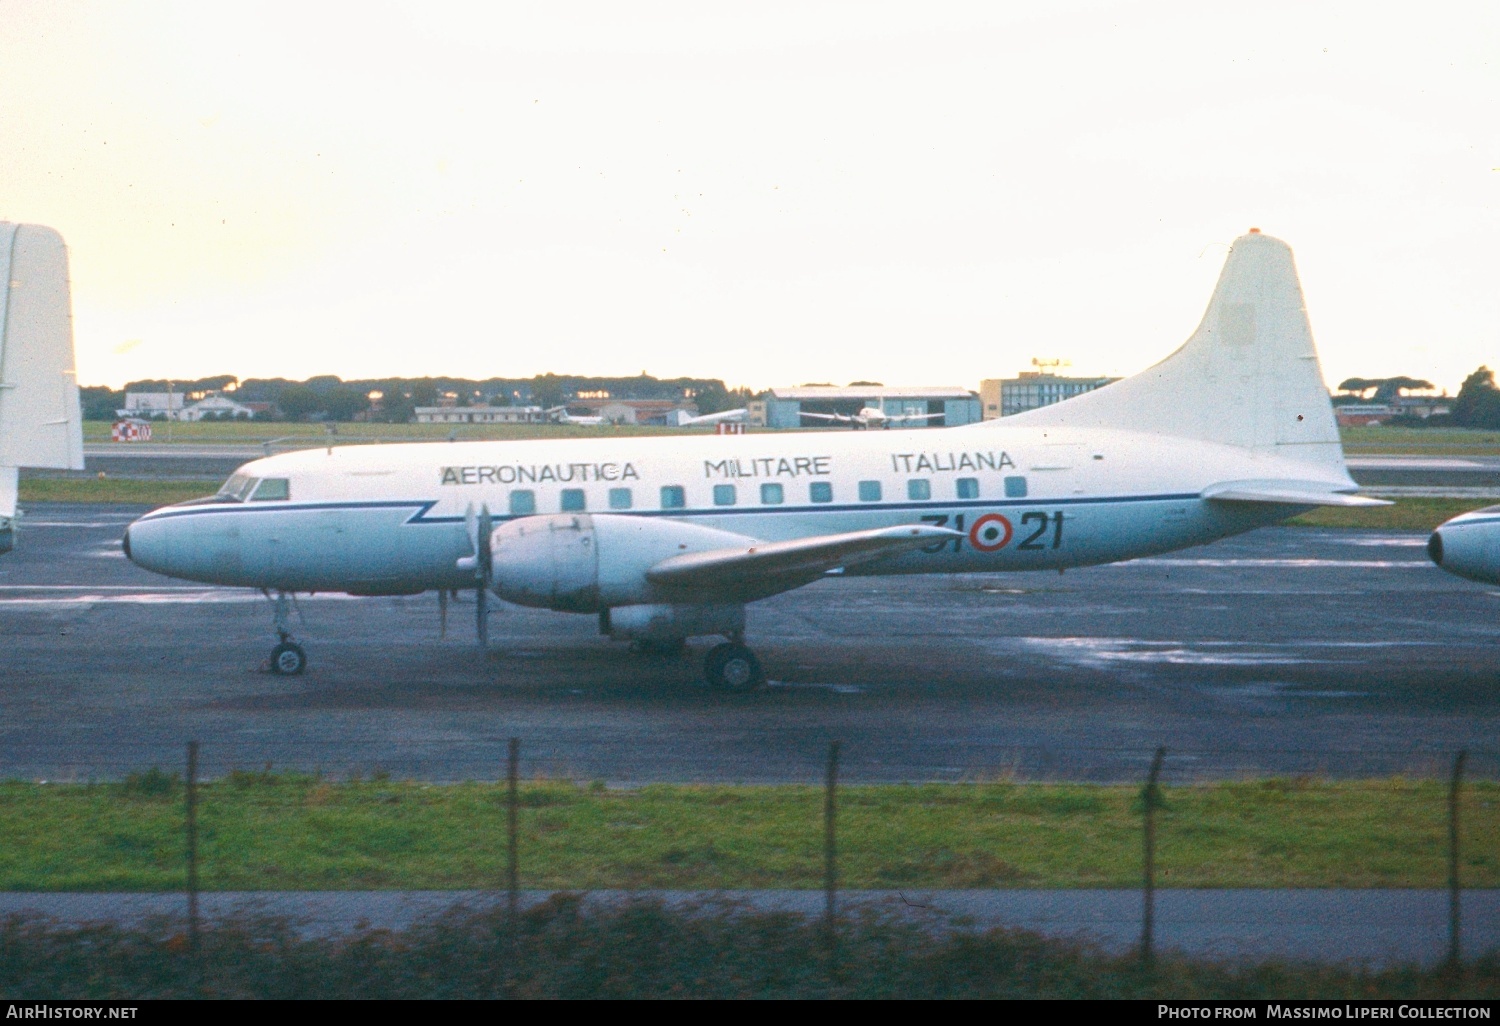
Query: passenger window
(724, 495)
(572, 500)
(673, 497)
(619, 498)
(772, 494)
(1015, 488)
(271, 489)
(968, 488)
(820, 491)
(869, 491)
(523, 502)
(919, 488)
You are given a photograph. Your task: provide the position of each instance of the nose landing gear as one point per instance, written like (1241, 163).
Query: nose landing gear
(288, 658)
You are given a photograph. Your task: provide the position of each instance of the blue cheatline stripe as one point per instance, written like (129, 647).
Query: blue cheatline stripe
(422, 506)
(1471, 523)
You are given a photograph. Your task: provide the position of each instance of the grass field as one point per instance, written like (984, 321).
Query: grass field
(1408, 513)
(253, 433)
(1419, 441)
(563, 949)
(292, 833)
(1357, 440)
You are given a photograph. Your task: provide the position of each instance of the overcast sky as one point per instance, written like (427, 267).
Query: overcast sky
(768, 193)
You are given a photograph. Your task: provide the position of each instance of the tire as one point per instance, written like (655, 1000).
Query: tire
(288, 659)
(732, 667)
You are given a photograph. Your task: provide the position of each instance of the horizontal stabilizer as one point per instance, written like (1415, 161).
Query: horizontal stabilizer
(765, 568)
(1286, 494)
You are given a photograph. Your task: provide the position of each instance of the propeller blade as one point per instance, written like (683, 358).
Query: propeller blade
(482, 551)
(484, 565)
(442, 612)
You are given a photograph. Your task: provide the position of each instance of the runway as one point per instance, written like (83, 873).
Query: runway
(1288, 650)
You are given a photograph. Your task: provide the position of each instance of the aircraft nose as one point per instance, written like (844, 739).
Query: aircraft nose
(145, 545)
(1435, 547)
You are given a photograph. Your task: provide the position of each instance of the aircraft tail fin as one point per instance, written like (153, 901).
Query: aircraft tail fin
(1248, 377)
(40, 421)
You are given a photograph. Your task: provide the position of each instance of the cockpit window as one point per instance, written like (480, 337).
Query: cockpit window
(237, 488)
(271, 489)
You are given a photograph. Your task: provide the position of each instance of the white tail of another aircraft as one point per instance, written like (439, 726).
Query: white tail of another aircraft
(1248, 377)
(40, 421)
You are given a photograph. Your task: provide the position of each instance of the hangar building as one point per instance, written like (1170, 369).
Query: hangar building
(783, 407)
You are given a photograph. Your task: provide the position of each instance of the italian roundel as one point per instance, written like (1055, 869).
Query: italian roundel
(990, 533)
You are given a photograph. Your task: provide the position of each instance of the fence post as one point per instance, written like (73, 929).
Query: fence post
(192, 856)
(1150, 800)
(830, 841)
(512, 850)
(1455, 943)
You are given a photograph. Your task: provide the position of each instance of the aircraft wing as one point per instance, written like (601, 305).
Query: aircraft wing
(1286, 493)
(722, 416)
(916, 416)
(758, 569)
(829, 416)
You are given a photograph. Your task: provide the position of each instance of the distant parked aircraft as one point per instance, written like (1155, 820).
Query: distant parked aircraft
(872, 416)
(41, 424)
(722, 417)
(560, 415)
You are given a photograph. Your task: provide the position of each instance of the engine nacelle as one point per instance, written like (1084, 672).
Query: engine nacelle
(582, 563)
(668, 623)
(1469, 545)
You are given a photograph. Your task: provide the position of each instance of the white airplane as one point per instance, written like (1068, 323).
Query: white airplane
(1469, 545)
(41, 424)
(872, 416)
(560, 415)
(668, 538)
(722, 417)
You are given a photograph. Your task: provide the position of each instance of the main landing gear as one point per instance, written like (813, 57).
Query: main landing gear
(732, 667)
(287, 658)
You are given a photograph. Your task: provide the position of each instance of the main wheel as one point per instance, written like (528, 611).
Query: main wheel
(732, 667)
(288, 659)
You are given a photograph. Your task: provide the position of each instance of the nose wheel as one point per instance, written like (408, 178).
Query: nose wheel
(288, 659)
(732, 667)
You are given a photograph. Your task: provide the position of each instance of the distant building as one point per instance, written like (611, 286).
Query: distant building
(1365, 414)
(783, 407)
(631, 411)
(217, 407)
(1362, 414)
(1031, 390)
(480, 415)
(153, 405)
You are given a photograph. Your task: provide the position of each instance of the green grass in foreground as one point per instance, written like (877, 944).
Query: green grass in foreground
(1408, 513)
(114, 490)
(563, 949)
(290, 832)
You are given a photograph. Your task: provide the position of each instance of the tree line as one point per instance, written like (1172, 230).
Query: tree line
(1477, 404)
(329, 397)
